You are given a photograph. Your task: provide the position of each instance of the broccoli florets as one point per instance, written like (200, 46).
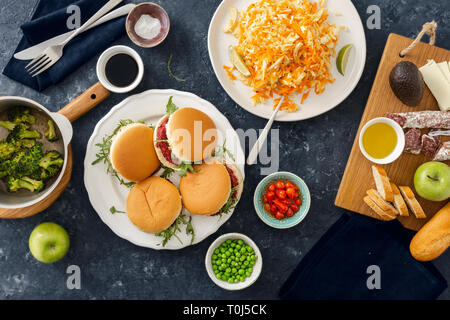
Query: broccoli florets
(50, 134)
(7, 125)
(21, 115)
(25, 162)
(51, 159)
(20, 132)
(32, 185)
(6, 150)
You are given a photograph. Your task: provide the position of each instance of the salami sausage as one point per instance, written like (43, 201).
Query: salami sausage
(443, 152)
(422, 119)
(412, 141)
(430, 144)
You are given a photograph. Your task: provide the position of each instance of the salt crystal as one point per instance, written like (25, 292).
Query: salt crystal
(147, 27)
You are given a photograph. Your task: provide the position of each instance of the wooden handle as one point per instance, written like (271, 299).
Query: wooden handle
(85, 102)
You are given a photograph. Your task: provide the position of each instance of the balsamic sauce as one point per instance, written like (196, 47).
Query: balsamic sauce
(121, 70)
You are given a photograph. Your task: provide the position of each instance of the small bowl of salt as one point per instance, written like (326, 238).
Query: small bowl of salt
(147, 24)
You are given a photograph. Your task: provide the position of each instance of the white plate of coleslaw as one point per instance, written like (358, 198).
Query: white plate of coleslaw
(340, 14)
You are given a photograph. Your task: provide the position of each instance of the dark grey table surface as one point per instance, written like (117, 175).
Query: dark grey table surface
(316, 149)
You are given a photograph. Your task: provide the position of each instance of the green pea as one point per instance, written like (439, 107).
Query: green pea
(234, 270)
(237, 254)
(241, 271)
(240, 241)
(232, 245)
(250, 269)
(238, 247)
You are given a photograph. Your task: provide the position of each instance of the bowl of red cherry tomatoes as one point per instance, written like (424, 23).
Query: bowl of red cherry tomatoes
(282, 200)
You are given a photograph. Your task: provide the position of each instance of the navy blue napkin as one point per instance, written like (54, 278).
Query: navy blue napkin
(336, 267)
(49, 20)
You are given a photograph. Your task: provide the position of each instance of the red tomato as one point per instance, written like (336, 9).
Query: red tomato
(290, 192)
(298, 201)
(273, 209)
(279, 215)
(281, 194)
(296, 195)
(272, 187)
(280, 205)
(267, 207)
(270, 196)
(289, 213)
(294, 207)
(265, 199)
(289, 184)
(280, 184)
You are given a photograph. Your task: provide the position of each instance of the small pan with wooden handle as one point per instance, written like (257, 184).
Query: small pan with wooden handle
(24, 203)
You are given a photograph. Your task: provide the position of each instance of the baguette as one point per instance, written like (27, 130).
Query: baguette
(434, 237)
(412, 202)
(380, 212)
(381, 203)
(382, 183)
(399, 203)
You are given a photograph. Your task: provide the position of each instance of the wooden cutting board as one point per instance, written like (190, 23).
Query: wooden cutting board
(357, 177)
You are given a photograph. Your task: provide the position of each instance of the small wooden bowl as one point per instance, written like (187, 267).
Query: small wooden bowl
(153, 10)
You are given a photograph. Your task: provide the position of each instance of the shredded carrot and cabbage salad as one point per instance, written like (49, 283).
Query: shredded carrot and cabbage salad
(287, 46)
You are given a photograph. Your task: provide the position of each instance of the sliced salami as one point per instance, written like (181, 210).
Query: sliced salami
(430, 144)
(413, 143)
(443, 153)
(422, 119)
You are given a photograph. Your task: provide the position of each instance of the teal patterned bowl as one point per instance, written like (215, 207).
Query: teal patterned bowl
(288, 222)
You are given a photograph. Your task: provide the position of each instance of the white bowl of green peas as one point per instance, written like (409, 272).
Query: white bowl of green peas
(233, 261)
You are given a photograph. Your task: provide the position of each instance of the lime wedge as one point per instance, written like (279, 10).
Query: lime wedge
(237, 61)
(342, 58)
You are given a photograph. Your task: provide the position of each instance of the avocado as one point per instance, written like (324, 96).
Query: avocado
(407, 83)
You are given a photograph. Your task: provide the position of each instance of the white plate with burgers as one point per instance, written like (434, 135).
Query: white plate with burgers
(148, 184)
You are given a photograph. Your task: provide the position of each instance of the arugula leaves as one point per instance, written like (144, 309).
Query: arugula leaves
(222, 152)
(105, 148)
(184, 168)
(175, 227)
(171, 107)
(167, 172)
(170, 71)
(231, 202)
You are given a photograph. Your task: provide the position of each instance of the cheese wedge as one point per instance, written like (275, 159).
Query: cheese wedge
(437, 79)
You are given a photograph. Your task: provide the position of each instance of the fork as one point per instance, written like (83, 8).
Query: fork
(53, 53)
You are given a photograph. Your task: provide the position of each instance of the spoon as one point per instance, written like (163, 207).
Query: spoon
(262, 138)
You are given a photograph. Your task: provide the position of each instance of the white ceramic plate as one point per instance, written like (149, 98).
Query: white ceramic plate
(315, 105)
(105, 191)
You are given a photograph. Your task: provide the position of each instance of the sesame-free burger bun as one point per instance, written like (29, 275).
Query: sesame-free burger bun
(205, 191)
(202, 139)
(153, 204)
(132, 152)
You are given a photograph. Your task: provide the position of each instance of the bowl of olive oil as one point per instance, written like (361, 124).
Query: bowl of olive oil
(382, 140)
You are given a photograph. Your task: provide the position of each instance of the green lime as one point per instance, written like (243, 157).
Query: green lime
(342, 58)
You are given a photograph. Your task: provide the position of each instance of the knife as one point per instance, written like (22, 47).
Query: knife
(34, 51)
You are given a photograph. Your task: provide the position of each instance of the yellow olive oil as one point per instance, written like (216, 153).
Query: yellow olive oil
(379, 140)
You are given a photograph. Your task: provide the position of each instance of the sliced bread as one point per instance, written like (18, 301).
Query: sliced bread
(380, 212)
(399, 203)
(382, 182)
(412, 202)
(380, 202)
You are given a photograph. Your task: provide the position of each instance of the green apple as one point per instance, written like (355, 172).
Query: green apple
(49, 242)
(432, 181)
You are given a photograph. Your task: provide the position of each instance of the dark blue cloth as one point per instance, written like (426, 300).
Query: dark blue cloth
(49, 20)
(336, 267)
